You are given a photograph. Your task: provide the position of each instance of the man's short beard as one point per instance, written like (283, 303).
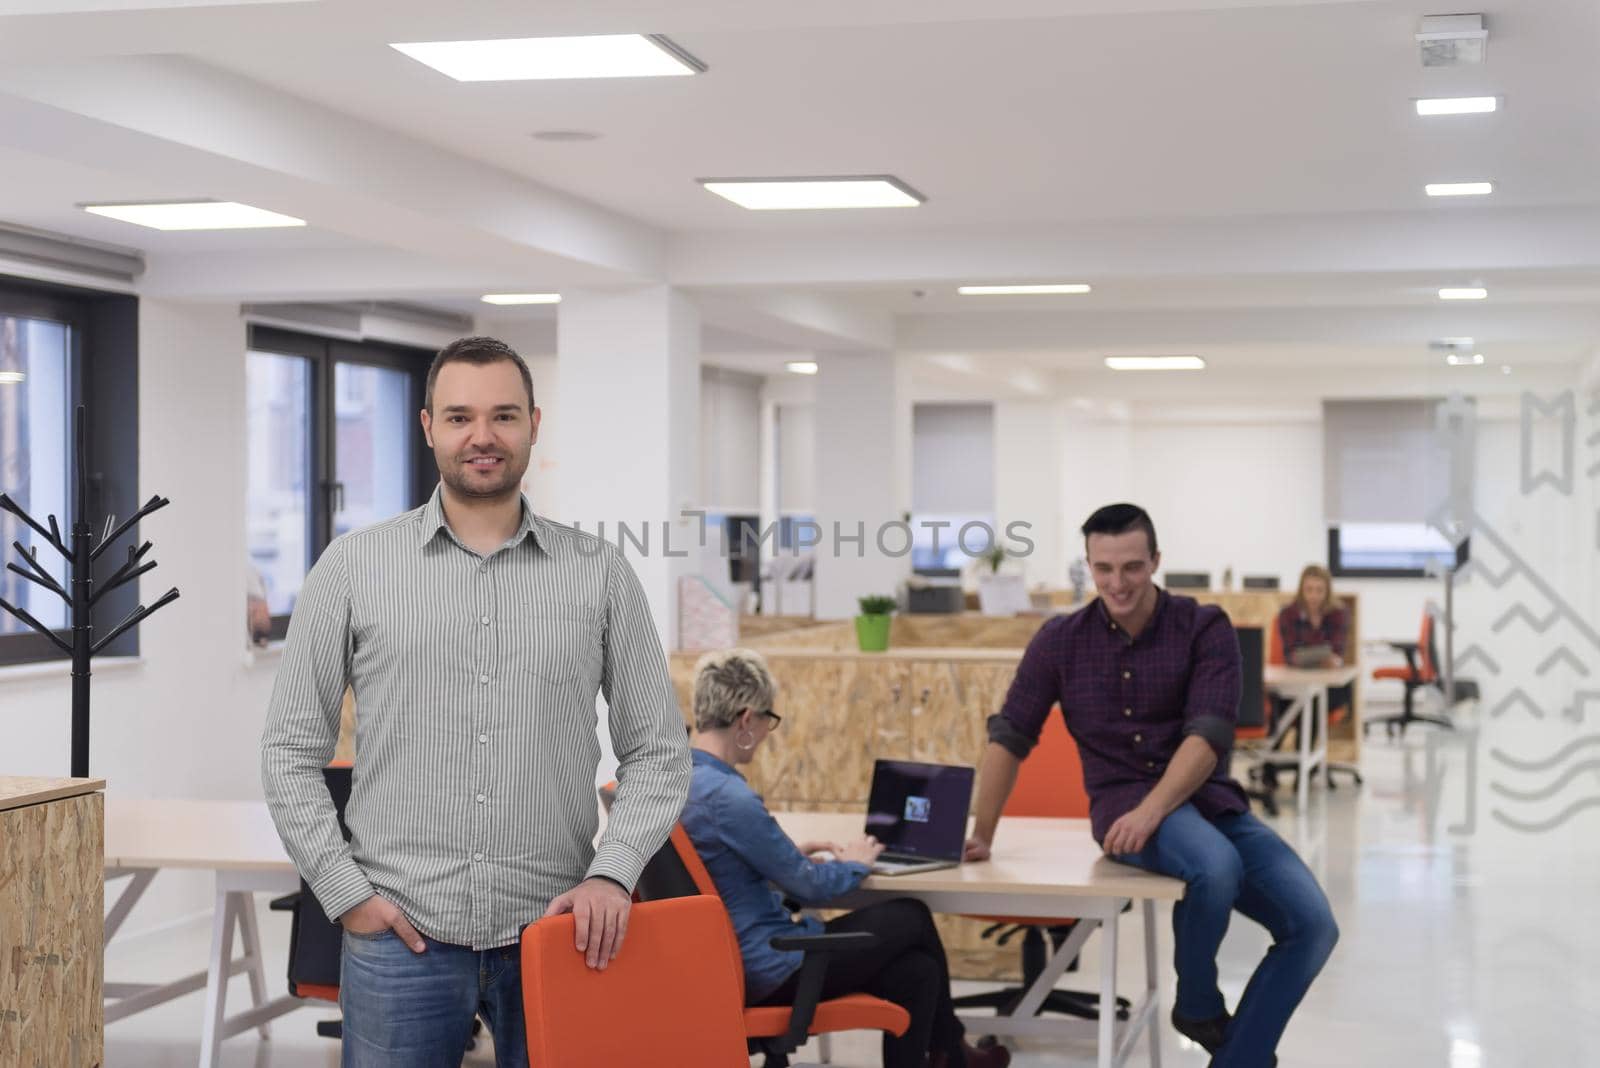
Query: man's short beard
(511, 485)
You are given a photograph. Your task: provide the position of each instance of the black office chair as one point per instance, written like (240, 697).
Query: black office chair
(1252, 723)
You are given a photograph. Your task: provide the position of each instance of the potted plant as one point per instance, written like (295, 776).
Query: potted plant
(872, 625)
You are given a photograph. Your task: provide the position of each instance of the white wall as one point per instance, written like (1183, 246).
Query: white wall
(1028, 455)
(730, 441)
(797, 480)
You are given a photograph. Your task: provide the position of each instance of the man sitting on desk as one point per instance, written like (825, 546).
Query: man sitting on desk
(1149, 683)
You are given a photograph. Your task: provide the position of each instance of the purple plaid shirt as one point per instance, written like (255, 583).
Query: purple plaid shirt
(1296, 632)
(1130, 704)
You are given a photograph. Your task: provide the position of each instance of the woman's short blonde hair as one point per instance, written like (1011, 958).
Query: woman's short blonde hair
(726, 683)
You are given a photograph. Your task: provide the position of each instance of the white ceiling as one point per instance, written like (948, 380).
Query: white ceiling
(1239, 178)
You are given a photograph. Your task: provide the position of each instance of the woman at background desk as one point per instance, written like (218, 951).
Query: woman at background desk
(1313, 628)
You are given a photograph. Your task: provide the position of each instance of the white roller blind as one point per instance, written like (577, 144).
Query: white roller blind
(1383, 461)
(952, 461)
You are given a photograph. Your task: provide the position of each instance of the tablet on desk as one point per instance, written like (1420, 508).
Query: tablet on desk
(1311, 656)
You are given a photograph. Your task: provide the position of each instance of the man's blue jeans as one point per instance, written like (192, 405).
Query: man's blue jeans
(415, 1010)
(1237, 862)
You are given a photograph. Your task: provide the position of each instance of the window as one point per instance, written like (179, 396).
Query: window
(1390, 550)
(334, 446)
(59, 347)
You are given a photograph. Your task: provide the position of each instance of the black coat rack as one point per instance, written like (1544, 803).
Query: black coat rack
(83, 595)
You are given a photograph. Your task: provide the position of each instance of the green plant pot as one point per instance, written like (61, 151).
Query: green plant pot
(872, 633)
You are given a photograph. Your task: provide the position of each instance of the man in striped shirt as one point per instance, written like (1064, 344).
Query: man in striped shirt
(476, 636)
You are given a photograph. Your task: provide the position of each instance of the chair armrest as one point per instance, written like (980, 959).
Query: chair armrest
(818, 949)
(286, 903)
(1410, 649)
(826, 943)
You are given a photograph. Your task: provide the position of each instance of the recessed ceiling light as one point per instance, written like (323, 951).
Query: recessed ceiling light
(1456, 359)
(1458, 189)
(11, 378)
(1007, 291)
(801, 367)
(1458, 105)
(1463, 293)
(565, 136)
(522, 298)
(808, 194)
(1155, 363)
(1505, 368)
(623, 55)
(194, 215)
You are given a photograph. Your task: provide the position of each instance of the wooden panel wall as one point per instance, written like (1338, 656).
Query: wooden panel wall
(52, 891)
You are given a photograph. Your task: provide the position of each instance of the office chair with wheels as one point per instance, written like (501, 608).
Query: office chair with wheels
(1049, 783)
(1420, 671)
(774, 1031)
(674, 997)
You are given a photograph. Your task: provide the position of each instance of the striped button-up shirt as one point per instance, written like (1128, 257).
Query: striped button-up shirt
(475, 676)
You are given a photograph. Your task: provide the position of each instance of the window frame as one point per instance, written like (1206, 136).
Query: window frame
(102, 373)
(324, 355)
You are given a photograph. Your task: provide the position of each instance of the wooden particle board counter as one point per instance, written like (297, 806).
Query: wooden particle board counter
(52, 891)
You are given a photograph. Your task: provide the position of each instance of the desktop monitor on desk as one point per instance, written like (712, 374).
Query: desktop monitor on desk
(1187, 580)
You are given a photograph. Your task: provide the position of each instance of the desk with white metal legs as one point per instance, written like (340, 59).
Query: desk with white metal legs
(1049, 868)
(237, 841)
(1307, 691)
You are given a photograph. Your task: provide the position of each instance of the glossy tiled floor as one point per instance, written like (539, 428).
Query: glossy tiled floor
(1469, 938)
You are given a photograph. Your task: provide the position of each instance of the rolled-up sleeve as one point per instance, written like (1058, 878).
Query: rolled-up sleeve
(302, 730)
(1034, 692)
(647, 733)
(1215, 680)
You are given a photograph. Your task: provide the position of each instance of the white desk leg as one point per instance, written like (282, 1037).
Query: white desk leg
(1108, 992)
(217, 978)
(250, 935)
(1152, 1034)
(1308, 720)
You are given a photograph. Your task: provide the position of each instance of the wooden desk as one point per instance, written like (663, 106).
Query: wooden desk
(238, 842)
(51, 968)
(1050, 869)
(1307, 691)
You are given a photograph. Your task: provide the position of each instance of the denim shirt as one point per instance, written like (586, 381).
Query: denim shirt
(747, 854)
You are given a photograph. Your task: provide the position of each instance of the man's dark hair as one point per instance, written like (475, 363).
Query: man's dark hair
(479, 351)
(1119, 519)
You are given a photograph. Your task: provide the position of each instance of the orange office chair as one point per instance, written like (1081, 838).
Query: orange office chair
(775, 1031)
(1420, 670)
(673, 997)
(1049, 783)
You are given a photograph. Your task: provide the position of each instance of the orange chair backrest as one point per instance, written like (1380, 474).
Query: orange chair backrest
(1050, 781)
(691, 860)
(672, 996)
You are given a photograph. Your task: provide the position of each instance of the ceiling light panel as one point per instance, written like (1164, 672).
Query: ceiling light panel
(194, 215)
(508, 299)
(1457, 105)
(625, 55)
(1463, 293)
(1458, 189)
(815, 194)
(1025, 290)
(801, 367)
(1155, 363)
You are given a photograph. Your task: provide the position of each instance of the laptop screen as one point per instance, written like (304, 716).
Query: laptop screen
(920, 810)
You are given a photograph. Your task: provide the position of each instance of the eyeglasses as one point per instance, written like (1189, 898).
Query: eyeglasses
(774, 717)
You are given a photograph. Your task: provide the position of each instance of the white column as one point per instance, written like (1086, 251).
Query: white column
(629, 419)
(1027, 487)
(857, 482)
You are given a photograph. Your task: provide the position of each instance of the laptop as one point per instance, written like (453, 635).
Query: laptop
(1310, 656)
(919, 813)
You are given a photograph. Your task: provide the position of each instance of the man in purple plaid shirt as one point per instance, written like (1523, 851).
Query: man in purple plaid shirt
(1149, 685)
